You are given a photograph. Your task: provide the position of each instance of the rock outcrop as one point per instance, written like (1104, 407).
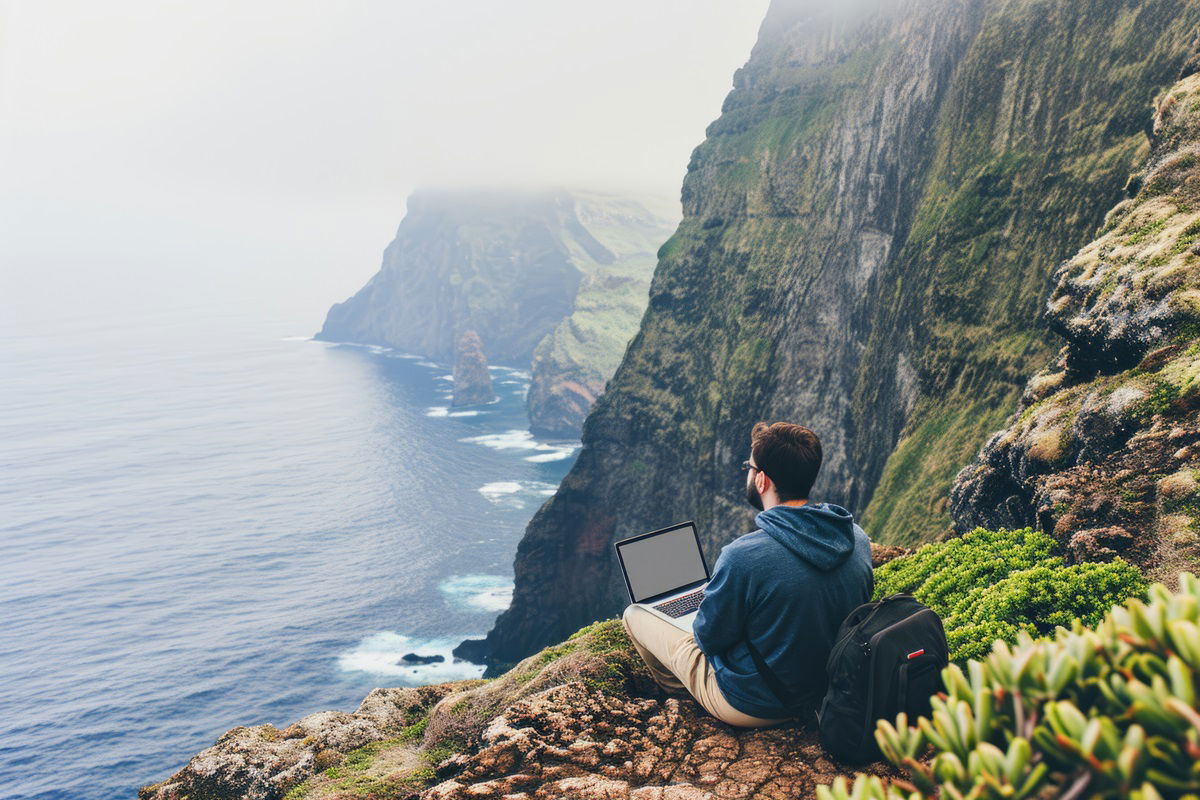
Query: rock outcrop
(868, 233)
(555, 279)
(1104, 450)
(472, 381)
(577, 721)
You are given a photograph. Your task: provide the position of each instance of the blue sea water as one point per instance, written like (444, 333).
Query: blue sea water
(209, 520)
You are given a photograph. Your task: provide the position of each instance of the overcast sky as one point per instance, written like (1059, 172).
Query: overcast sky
(145, 143)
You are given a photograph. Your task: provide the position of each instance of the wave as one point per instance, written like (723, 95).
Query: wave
(382, 653)
(557, 455)
(444, 411)
(514, 493)
(482, 592)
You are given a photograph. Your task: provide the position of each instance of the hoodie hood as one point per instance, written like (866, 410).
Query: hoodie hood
(820, 533)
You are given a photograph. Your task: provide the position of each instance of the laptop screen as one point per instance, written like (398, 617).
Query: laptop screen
(662, 561)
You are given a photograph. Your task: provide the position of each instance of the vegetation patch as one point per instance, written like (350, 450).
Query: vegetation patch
(1106, 713)
(990, 585)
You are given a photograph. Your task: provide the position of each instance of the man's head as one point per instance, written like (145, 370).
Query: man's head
(784, 461)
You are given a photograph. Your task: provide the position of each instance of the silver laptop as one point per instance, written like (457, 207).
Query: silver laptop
(665, 572)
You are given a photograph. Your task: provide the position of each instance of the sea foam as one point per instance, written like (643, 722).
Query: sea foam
(382, 653)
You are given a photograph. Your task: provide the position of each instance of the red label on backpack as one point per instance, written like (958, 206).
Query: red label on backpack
(916, 653)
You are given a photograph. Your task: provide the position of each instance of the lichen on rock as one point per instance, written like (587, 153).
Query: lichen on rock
(580, 719)
(1104, 445)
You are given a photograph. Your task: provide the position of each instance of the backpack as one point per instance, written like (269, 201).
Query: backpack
(888, 657)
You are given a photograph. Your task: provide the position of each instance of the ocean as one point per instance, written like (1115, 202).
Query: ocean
(210, 520)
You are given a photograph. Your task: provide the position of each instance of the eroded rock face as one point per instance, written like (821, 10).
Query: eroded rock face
(1103, 450)
(554, 280)
(472, 381)
(263, 762)
(581, 719)
(572, 742)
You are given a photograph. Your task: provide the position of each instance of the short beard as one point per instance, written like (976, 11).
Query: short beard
(752, 495)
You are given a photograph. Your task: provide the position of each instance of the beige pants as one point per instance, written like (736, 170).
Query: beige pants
(677, 662)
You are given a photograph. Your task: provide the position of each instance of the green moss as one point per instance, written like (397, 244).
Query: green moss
(1137, 234)
(414, 732)
(989, 585)
(910, 504)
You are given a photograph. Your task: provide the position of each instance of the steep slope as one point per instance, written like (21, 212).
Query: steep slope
(560, 273)
(866, 235)
(1104, 451)
(573, 363)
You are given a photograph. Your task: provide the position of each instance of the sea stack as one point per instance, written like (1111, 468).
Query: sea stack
(472, 381)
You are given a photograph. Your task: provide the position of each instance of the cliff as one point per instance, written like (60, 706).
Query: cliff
(563, 274)
(472, 381)
(1104, 450)
(582, 720)
(868, 232)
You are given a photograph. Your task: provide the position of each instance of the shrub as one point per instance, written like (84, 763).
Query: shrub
(1106, 713)
(989, 585)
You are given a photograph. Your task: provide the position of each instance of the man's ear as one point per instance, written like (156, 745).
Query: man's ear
(761, 481)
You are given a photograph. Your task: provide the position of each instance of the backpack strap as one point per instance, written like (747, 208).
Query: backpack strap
(777, 687)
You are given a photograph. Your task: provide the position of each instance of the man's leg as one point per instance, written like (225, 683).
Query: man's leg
(677, 662)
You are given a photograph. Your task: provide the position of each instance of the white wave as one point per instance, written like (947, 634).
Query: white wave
(483, 592)
(558, 455)
(498, 488)
(445, 377)
(513, 493)
(424, 363)
(382, 653)
(444, 411)
(512, 439)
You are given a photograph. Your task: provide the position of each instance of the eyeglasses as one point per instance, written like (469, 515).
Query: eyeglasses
(747, 466)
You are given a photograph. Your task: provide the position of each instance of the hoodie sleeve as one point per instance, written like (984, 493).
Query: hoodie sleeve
(721, 620)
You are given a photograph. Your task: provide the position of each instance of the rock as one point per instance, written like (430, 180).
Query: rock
(1120, 476)
(262, 763)
(413, 658)
(582, 719)
(554, 279)
(472, 381)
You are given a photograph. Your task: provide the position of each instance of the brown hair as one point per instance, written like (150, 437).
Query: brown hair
(790, 455)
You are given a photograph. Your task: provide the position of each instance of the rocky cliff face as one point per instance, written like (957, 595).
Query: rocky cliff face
(553, 278)
(472, 381)
(865, 245)
(1104, 451)
(582, 720)
(572, 365)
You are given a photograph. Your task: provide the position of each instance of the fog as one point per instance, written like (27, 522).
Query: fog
(161, 152)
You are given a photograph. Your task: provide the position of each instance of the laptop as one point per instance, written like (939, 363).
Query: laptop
(665, 572)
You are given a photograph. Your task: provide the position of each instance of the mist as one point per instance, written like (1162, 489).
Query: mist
(173, 152)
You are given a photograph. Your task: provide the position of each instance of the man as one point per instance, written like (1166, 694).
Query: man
(785, 588)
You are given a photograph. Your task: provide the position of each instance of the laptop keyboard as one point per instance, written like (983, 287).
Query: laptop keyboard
(684, 604)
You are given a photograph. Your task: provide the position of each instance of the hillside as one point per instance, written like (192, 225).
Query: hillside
(554, 280)
(869, 230)
(1104, 450)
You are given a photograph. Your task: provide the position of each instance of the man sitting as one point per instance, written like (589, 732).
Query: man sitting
(785, 588)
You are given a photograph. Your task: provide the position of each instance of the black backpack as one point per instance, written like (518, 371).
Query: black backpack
(888, 657)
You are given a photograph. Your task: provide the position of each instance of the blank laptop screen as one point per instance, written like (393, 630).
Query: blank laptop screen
(662, 562)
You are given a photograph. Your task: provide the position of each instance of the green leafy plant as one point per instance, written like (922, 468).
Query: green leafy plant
(1109, 712)
(989, 585)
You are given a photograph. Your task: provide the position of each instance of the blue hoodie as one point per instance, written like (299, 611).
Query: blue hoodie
(787, 586)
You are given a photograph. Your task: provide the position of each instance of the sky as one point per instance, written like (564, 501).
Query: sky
(156, 151)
